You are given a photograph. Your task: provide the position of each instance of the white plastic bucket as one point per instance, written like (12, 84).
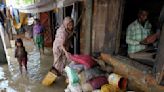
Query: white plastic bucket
(117, 80)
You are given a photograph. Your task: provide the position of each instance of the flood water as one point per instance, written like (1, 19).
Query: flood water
(38, 65)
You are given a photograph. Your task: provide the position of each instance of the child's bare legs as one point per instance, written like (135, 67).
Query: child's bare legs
(41, 49)
(20, 66)
(25, 64)
(25, 67)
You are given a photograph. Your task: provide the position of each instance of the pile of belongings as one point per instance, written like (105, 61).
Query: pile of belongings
(87, 74)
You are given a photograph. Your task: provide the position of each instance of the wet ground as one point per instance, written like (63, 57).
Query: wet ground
(38, 65)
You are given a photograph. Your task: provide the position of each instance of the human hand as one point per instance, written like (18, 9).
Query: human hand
(144, 42)
(151, 38)
(68, 55)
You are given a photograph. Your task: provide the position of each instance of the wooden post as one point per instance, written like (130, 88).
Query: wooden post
(88, 33)
(106, 25)
(3, 50)
(119, 25)
(76, 17)
(159, 65)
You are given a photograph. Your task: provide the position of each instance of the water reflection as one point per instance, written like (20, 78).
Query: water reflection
(4, 82)
(12, 81)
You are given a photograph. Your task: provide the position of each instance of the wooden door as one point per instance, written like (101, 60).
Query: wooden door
(45, 21)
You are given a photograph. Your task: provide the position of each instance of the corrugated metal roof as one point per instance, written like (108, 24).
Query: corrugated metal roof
(64, 3)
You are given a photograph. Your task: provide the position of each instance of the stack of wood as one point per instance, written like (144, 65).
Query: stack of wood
(139, 78)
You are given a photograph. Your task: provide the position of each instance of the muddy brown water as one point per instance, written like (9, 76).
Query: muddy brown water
(38, 65)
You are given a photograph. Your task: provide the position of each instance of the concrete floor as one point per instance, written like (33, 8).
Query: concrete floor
(12, 81)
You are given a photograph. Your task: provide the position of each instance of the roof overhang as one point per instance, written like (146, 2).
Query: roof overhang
(36, 6)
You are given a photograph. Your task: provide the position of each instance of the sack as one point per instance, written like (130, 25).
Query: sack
(74, 88)
(98, 82)
(96, 90)
(87, 75)
(83, 59)
(72, 75)
(87, 87)
(92, 73)
(77, 67)
(82, 77)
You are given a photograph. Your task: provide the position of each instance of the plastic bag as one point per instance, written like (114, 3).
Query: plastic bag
(72, 75)
(96, 90)
(92, 73)
(74, 88)
(82, 77)
(77, 67)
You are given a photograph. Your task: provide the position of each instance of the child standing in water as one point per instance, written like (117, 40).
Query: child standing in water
(21, 54)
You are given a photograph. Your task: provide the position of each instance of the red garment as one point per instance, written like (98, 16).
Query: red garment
(84, 60)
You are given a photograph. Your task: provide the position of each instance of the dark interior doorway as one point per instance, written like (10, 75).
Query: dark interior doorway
(130, 14)
(76, 11)
(68, 10)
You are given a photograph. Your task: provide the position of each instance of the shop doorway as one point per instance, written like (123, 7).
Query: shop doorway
(130, 14)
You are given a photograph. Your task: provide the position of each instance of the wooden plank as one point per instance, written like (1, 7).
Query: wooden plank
(159, 66)
(88, 33)
(99, 18)
(119, 25)
(106, 24)
(86, 27)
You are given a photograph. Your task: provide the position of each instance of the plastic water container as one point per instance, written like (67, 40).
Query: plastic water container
(49, 79)
(109, 88)
(117, 80)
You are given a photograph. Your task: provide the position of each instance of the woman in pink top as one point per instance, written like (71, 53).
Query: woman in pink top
(61, 45)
